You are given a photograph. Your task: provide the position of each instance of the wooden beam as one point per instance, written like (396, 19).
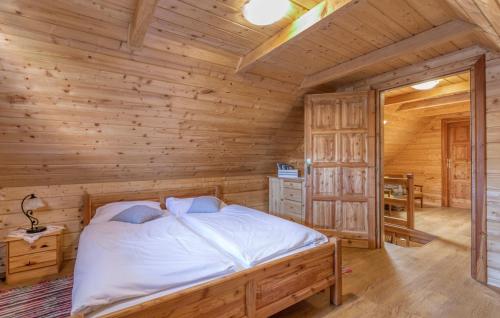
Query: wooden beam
(421, 41)
(308, 21)
(435, 102)
(484, 14)
(143, 16)
(423, 95)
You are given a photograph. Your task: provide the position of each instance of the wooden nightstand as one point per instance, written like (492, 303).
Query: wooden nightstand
(30, 262)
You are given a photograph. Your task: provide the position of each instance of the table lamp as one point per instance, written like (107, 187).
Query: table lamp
(30, 203)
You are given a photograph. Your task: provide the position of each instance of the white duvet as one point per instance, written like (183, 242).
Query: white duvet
(118, 261)
(249, 236)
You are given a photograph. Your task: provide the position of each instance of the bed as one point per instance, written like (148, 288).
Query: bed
(266, 286)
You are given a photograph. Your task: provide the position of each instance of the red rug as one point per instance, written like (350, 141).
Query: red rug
(50, 299)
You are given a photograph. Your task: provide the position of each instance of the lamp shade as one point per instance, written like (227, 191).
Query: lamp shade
(33, 203)
(265, 12)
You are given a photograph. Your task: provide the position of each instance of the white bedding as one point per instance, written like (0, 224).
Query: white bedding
(118, 261)
(139, 300)
(249, 236)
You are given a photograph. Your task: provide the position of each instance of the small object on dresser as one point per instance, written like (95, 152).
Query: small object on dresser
(287, 171)
(33, 256)
(30, 203)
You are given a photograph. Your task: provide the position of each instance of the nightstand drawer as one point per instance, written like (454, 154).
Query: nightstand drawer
(292, 194)
(292, 207)
(46, 243)
(292, 185)
(32, 261)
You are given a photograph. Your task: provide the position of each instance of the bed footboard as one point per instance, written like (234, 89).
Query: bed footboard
(256, 292)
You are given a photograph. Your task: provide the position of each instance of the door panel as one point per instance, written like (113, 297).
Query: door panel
(354, 147)
(340, 143)
(458, 157)
(326, 181)
(325, 148)
(355, 217)
(354, 181)
(324, 215)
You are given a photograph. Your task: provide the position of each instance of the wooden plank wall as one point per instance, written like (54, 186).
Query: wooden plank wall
(421, 156)
(493, 167)
(65, 202)
(81, 107)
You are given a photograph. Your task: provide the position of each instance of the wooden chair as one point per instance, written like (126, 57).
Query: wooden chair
(406, 200)
(418, 192)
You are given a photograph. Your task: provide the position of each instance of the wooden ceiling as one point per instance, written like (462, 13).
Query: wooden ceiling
(351, 39)
(353, 30)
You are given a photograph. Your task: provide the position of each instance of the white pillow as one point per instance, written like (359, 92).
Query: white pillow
(178, 206)
(108, 211)
(181, 206)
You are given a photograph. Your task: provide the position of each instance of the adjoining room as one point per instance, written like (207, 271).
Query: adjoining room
(427, 158)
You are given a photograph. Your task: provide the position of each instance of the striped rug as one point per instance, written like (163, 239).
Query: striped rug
(50, 299)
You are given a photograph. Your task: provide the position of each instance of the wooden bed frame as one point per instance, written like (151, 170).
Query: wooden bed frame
(259, 291)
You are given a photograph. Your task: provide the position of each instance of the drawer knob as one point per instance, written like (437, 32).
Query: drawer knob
(44, 246)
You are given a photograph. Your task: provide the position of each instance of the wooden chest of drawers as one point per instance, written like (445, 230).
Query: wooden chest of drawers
(287, 198)
(33, 261)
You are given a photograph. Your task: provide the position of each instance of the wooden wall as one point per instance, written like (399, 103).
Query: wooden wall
(421, 155)
(64, 202)
(78, 106)
(493, 167)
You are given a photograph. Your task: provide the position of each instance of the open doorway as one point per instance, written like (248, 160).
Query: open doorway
(427, 160)
(476, 69)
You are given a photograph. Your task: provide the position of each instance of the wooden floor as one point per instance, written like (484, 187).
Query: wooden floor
(428, 281)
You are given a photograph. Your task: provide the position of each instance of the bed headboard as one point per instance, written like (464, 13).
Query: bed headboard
(92, 201)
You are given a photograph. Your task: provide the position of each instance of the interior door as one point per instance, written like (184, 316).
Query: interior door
(340, 166)
(458, 160)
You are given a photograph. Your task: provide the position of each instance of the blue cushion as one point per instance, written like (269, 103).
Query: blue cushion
(137, 214)
(205, 204)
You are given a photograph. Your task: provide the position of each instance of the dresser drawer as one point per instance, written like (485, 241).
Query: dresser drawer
(45, 243)
(292, 185)
(292, 207)
(32, 261)
(292, 194)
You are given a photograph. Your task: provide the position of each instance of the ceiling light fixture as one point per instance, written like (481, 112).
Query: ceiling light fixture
(265, 12)
(426, 85)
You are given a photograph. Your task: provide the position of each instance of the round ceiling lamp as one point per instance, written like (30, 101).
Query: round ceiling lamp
(426, 85)
(265, 12)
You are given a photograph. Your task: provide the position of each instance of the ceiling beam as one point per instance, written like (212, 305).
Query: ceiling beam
(143, 16)
(435, 102)
(483, 14)
(421, 41)
(308, 21)
(423, 95)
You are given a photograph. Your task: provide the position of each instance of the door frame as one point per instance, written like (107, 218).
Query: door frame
(476, 65)
(445, 193)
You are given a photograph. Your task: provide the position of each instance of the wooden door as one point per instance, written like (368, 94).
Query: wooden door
(457, 162)
(340, 165)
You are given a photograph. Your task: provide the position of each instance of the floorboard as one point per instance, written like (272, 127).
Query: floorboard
(428, 281)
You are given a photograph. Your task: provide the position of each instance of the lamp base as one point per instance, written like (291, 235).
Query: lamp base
(36, 229)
